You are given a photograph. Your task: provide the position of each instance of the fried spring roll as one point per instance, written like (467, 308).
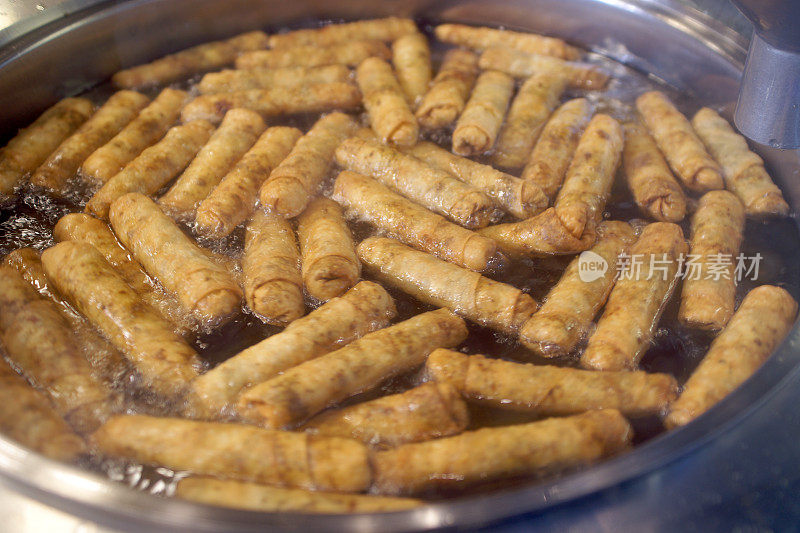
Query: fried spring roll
(389, 113)
(411, 57)
(31, 146)
(763, 319)
(553, 151)
(447, 96)
(636, 302)
(28, 263)
(366, 199)
(237, 451)
(709, 286)
(234, 199)
(349, 53)
(307, 389)
(382, 29)
(227, 81)
(679, 143)
(203, 287)
(742, 169)
(479, 123)
(486, 454)
(522, 65)
(481, 38)
(183, 64)
(146, 129)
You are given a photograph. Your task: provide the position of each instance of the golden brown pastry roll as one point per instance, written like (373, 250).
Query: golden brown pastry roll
(448, 93)
(204, 287)
(411, 57)
(366, 199)
(64, 162)
(679, 143)
(481, 38)
(487, 454)
(636, 302)
(382, 29)
(305, 390)
(31, 146)
(237, 451)
(155, 167)
(183, 64)
(146, 129)
(28, 262)
(742, 169)
(553, 151)
(389, 113)
(490, 303)
(291, 185)
(349, 53)
(234, 199)
(227, 81)
(709, 285)
(522, 65)
(479, 123)
(763, 319)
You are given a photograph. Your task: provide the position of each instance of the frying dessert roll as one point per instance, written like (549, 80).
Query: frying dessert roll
(544, 234)
(330, 264)
(649, 178)
(204, 287)
(481, 38)
(490, 303)
(27, 261)
(145, 130)
(237, 451)
(305, 390)
(742, 168)
(227, 81)
(763, 319)
(523, 64)
(265, 498)
(155, 167)
(366, 199)
(636, 302)
(389, 113)
(183, 64)
(107, 121)
(553, 151)
(234, 199)
(679, 143)
(448, 93)
(291, 185)
(479, 123)
(32, 145)
(709, 286)
(273, 285)
(434, 189)
(567, 313)
(529, 111)
(411, 57)
(236, 134)
(364, 308)
(583, 196)
(486, 454)
(430, 411)
(349, 53)
(382, 29)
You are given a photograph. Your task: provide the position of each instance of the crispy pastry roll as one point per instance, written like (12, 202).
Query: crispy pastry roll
(307, 389)
(490, 303)
(291, 185)
(382, 29)
(742, 169)
(567, 313)
(204, 287)
(31, 146)
(411, 57)
(522, 65)
(366, 199)
(227, 81)
(234, 199)
(486, 454)
(364, 308)
(63, 164)
(709, 286)
(479, 123)
(679, 143)
(635, 304)
(146, 129)
(481, 38)
(763, 319)
(434, 189)
(349, 53)
(155, 167)
(237, 451)
(236, 134)
(183, 64)
(553, 151)
(389, 113)
(583, 196)
(447, 96)
(429, 411)
(649, 178)
(28, 262)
